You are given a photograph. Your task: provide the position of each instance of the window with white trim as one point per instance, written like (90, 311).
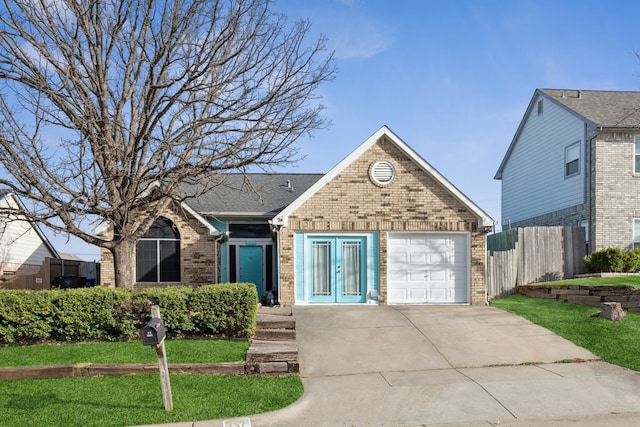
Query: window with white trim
(636, 233)
(572, 160)
(636, 157)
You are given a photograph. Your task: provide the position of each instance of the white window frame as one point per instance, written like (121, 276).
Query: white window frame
(636, 156)
(636, 233)
(569, 158)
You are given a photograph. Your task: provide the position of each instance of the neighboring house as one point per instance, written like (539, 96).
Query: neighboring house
(23, 246)
(381, 226)
(575, 161)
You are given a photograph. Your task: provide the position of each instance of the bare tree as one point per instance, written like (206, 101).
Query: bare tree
(101, 98)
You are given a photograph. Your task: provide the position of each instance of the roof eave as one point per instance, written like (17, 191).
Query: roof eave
(35, 226)
(213, 231)
(484, 220)
(516, 136)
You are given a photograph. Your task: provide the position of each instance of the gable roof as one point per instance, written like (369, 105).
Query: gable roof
(484, 219)
(6, 194)
(251, 194)
(618, 109)
(598, 108)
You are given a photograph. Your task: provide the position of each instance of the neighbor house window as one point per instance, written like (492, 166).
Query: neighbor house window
(158, 253)
(540, 107)
(572, 159)
(637, 156)
(636, 233)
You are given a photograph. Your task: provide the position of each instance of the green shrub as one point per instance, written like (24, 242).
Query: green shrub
(25, 316)
(86, 314)
(229, 310)
(174, 309)
(613, 260)
(632, 260)
(108, 314)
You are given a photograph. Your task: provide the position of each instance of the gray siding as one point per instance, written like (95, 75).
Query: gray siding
(533, 178)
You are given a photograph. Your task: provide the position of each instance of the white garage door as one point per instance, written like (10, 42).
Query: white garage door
(428, 268)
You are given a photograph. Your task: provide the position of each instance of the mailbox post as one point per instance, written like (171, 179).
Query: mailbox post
(153, 335)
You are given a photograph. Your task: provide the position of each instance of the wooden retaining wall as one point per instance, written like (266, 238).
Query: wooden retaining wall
(595, 296)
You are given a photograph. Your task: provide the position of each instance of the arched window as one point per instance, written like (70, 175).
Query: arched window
(158, 253)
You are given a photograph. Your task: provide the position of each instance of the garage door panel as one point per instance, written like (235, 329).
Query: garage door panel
(438, 295)
(418, 258)
(416, 294)
(416, 276)
(428, 268)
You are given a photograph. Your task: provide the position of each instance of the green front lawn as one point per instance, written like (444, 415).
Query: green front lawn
(178, 351)
(618, 343)
(137, 399)
(597, 281)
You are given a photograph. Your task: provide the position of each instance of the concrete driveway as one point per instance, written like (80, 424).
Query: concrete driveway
(365, 366)
(443, 365)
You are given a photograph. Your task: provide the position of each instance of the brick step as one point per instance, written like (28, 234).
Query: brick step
(275, 334)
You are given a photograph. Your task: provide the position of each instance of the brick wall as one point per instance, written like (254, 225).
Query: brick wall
(414, 201)
(196, 253)
(616, 189)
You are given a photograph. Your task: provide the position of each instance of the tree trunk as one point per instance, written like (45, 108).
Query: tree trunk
(124, 264)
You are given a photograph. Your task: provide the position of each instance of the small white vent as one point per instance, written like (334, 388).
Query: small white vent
(382, 172)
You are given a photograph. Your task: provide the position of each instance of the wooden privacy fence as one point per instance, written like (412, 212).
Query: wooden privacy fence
(50, 269)
(533, 254)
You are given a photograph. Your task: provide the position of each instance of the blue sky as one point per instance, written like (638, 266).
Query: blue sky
(453, 78)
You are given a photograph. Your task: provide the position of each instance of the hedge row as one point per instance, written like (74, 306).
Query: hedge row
(613, 260)
(107, 314)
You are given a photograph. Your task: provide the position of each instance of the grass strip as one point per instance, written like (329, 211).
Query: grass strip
(137, 399)
(178, 351)
(615, 342)
(633, 281)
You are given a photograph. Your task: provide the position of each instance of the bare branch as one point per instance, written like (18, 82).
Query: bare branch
(101, 98)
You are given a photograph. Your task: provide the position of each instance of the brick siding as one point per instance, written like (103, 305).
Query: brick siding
(352, 202)
(616, 187)
(197, 251)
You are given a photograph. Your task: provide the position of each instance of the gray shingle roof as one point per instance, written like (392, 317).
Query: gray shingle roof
(604, 108)
(251, 194)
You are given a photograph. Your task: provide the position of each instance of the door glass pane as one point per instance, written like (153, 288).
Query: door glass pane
(321, 268)
(351, 268)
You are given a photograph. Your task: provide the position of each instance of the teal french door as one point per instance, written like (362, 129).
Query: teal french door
(337, 269)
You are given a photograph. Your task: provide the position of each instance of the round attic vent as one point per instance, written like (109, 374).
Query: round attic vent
(382, 172)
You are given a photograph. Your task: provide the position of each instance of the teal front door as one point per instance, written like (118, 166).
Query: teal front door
(251, 268)
(337, 269)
